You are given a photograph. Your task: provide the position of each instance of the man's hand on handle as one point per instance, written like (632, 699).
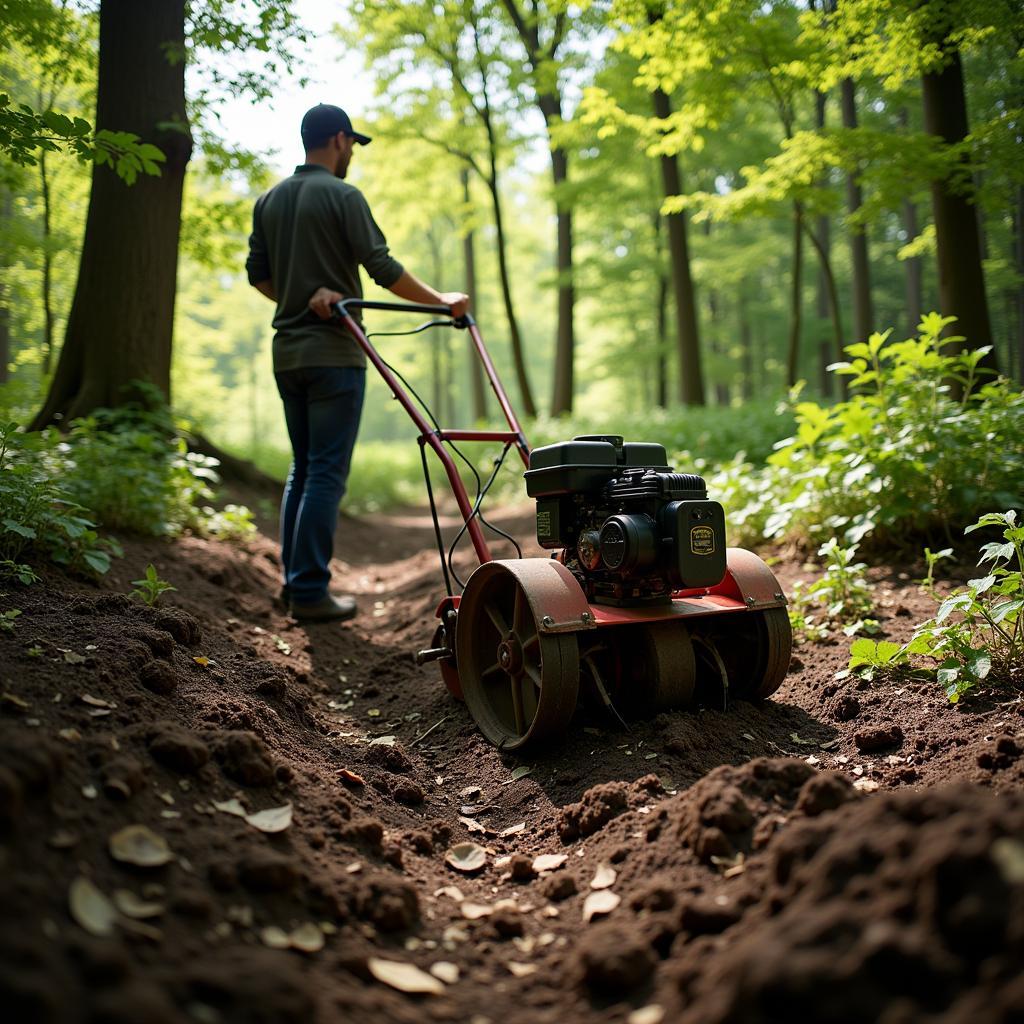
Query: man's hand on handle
(322, 301)
(458, 301)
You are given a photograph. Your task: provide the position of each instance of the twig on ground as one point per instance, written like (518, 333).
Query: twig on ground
(423, 736)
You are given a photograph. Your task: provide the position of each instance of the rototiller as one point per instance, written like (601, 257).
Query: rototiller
(641, 606)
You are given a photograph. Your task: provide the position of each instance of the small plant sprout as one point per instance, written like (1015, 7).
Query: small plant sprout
(151, 587)
(7, 620)
(932, 558)
(842, 593)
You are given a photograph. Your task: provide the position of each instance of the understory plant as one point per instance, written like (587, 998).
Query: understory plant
(38, 515)
(841, 596)
(151, 587)
(976, 633)
(921, 447)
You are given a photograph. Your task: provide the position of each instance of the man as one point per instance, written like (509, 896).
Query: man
(311, 232)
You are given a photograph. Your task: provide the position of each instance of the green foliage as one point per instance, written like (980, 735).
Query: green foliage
(40, 517)
(11, 570)
(976, 633)
(842, 594)
(7, 620)
(150, 587)
(132, 470)
(902, 457)
(932, 558)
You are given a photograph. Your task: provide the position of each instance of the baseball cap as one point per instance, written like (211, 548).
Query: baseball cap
(325, 120)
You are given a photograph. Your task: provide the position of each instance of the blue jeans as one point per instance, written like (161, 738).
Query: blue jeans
(322, 406)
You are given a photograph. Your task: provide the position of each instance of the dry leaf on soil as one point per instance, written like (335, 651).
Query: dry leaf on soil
(141, 846)
(451, 892)
(604, 877)
(474, 911)
(466, 857)
(512, 830)
(521, 970)
(307, 938)
(131, 906)
(231, 806)
(650, 1014)
(404, 977)
(90, 908)
(349, 776)
(604, 901)
(273, 819)
(446, 971)
(549, 862)
(275, 938)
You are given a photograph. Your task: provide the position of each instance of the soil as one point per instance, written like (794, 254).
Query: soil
(845, 851)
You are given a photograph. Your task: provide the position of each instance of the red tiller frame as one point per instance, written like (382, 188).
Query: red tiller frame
(428, 433)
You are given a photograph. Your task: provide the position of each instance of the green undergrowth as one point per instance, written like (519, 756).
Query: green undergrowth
(976, 635)
(64, 496)
(922, 447)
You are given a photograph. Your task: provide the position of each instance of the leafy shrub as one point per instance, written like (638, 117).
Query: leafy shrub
(903, 456)
(132, 470)
(977, 632)
(40, 516)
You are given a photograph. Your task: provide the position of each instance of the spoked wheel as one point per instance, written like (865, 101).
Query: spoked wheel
(754, 650)
(519, 682)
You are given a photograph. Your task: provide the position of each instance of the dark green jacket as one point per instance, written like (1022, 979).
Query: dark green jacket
(309, 231)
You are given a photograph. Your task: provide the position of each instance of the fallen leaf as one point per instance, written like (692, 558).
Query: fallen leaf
(354, 868)
(512, 830)
(383, 741)
(451, 891)
(349, 776)
(14, 701)
(518, 773)
(470, 793)
(603, 878)
(474, 911)
(1008, 856)
(141, 846)
(141, 928)
(404, 977)
(273, 819)
(521, 970)
(466, 857)
(201, 660)
(650, 1014)
(307, 938)
(373, 713)
(549, 862)
(71, 735)
(275, 938)
(866, 785)
(131, 906)
(89, 791)
(73, 659)
(601, 902)
(90, 908)
(96, 702)
(446, 971)
(231, 806)
(472, 825)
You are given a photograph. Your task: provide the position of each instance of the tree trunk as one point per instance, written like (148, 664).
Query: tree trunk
(746, 349)
(660, 318)
(477, 394)
(44, 188)
(961, 276)
(825, 263)
(6, 208)
(863, 314)
(913, 277)
(691, 380)
(824, 299)
(515, 338)
(796, 296)
(1018, 255)
(120, 326)
(562, 392)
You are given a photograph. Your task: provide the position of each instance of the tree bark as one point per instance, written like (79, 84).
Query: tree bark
(543, 61)
(691, 379)
(120, 325)
(913, 276)
(863, 313)
(746, 349)
(824, 298)
(6, 208)
(825, 263)
(795, 296)
(961, 276)
(477, 394)
(1018, 252)
(47, 291)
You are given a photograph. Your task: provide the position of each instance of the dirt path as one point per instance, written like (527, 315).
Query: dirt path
(844, 852)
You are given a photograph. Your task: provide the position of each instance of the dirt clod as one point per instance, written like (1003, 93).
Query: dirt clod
(600, 804)
(179, 749)
(615, 960)
(871, 740)
(244, 757)
(158, 677)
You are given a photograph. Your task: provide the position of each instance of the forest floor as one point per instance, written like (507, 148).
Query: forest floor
(844, 852)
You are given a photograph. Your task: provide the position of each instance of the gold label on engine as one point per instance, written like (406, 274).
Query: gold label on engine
(702, 540)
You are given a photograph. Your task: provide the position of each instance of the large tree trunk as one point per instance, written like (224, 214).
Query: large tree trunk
(823, 233)
(795, 297)
(565, 344)
(691, 380)
(6, 207)
(477, 394)
(912, 269)
(961, 277)
(1018, 252)
(863, 314)
(44, 188)
(120, 325)
(660, 318)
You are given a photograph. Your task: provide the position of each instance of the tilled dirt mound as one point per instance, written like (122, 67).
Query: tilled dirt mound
(691, 869)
